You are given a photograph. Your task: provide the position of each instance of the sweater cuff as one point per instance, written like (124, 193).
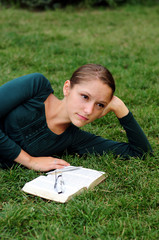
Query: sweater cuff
(126, 118)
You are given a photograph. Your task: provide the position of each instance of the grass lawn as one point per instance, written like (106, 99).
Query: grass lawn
(55, 43)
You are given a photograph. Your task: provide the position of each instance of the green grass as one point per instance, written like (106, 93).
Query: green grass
(55, 43)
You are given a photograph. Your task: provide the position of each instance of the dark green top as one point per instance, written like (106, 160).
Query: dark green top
(23, 125)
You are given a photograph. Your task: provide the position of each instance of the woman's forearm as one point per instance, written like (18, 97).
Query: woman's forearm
(40, 163)
(135, 134)
(117, 106)
(138, 142)
(24, 159)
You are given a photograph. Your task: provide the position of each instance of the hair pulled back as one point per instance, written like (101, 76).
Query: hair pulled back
(91, 72)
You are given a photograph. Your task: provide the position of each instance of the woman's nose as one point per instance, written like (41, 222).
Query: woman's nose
(88, 109)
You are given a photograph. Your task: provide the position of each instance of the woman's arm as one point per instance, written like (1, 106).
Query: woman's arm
(40, 163)
(117, 106)
(12, 94)
(84, 142)
(19, 90)
(135, 134)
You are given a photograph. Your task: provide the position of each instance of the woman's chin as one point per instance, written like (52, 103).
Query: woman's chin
(79, 123)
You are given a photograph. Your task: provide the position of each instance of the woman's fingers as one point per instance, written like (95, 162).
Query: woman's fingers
(60, 163)
(117, 106)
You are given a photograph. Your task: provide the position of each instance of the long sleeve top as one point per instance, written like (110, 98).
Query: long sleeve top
(23, 126)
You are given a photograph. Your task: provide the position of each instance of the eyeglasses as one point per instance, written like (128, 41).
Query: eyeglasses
(59, 185)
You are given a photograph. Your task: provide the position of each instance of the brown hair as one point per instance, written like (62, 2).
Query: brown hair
(88, 71)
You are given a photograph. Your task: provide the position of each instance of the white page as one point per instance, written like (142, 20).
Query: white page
(78, 178)
(43, 186)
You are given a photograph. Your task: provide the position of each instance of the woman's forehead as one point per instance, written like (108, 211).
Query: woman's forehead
(92, 84)
(95, 88)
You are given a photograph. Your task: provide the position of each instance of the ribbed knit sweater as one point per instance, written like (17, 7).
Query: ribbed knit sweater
(23, 126)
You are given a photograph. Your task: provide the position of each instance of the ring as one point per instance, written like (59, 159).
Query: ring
(55, 162)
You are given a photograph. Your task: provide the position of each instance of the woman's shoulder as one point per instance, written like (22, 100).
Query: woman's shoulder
(36, 82)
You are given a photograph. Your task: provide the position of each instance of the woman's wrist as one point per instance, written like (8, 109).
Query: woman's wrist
(121, 109)
(120, 113)
(24, 159)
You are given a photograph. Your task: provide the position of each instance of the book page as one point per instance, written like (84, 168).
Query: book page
(82, 177)
(43, 186)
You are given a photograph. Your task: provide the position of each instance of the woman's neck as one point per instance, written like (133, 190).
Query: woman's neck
(56, 115)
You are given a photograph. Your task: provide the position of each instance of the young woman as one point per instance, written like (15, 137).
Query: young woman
(36, 127)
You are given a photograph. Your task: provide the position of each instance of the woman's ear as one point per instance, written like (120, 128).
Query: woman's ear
(66, 88)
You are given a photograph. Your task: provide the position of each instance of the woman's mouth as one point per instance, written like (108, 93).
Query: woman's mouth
(82, 117)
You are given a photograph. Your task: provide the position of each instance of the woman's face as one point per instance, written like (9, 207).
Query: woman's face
(86, 101)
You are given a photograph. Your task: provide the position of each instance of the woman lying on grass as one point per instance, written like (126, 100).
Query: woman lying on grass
(35, 126)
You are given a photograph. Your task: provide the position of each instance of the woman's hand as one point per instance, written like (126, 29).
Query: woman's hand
(40, 163)
(47, 163)
(117, 106)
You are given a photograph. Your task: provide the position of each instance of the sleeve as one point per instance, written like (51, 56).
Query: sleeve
(14, 93)
(137, 146)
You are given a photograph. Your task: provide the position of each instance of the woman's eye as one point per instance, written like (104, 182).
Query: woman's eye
(100, 105)
(84, 96)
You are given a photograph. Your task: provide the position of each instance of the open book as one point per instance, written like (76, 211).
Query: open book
(72, 182)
